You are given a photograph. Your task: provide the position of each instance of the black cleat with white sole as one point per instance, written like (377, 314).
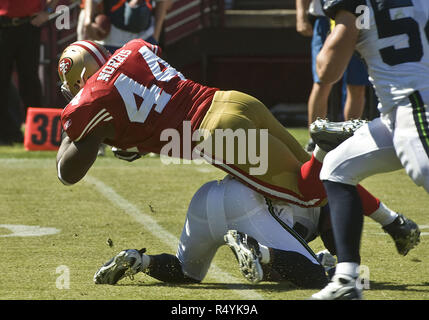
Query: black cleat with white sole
(246, 250)
(125, 263)
(341, 287)
(328, 135)
(405, 233)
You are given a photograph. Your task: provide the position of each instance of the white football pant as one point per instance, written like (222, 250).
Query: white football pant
(219, 206)
(395, 140)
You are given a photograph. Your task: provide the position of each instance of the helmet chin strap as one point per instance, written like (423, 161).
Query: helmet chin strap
(82, 78)
(65, 90)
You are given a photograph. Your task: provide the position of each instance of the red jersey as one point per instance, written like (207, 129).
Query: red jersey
(19, 9)
(141, 95)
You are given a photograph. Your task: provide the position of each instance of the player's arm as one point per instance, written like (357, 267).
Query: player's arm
(91, 9)
(338, 49)
(43, 16)
(160, 12)
(75, 158)
(303, 25)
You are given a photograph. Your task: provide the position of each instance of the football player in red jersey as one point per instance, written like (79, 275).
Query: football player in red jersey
(128, 99)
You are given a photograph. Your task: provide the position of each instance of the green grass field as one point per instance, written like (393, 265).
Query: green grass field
(143, 204)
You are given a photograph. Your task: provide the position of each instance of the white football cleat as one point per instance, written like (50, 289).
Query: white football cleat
(246, 250)
(341, 287)
(125, 263)
(326, 259)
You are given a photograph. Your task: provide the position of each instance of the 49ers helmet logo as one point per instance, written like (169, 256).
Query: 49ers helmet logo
(65, 65)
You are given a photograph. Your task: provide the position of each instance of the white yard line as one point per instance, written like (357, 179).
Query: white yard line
(25, 163)
(380, 233)
(166, 237)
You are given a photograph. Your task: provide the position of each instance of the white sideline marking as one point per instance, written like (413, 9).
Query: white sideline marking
(156, 230)
(25, 163)
(19, 230)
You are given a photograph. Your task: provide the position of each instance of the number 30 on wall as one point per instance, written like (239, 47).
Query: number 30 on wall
(42, 129)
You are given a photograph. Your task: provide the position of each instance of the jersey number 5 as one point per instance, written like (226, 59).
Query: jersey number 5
(150, 98)
(389, 28)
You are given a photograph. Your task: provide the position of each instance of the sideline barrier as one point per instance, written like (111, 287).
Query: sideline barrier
(42, 129)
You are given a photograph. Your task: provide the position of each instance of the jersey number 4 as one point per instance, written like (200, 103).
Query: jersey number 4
(153, 98)
(389, 28)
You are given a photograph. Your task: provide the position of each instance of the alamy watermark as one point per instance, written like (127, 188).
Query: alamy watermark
(363, 18)
(222, 146)
(63, 280)
(62, 20)
(362, 282)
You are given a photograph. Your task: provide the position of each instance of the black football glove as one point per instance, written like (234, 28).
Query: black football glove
(126, 155)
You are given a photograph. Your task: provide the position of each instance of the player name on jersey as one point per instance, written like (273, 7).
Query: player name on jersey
(113, 64)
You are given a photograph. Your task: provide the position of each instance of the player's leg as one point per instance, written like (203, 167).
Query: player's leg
(27, 66)
(318, 101)
(228, 204)
(126, 263)
(80, 25)
(317, 106)
(201, 237)
(404, 231)
(355, 102)
(164, 267)
(356, 78)
(167, 268)
(195, 252)
(369, 151)
(319, 96)
(281, 155)
(203, 231)
(258, 262)
(267, 232)
(8, 43)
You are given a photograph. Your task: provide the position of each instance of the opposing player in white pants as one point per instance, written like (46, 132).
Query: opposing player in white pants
(269, 239)
(220, 206)
(215, 209)
(393, 39)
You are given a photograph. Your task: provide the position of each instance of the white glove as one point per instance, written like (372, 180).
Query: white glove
(326, 259)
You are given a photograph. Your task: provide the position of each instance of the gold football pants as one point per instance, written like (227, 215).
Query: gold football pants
(232, 113)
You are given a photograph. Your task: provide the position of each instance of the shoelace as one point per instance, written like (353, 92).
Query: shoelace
(130, 272)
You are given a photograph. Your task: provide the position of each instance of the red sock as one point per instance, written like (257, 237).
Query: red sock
(309, 183)
(369, 203)
(311, 187)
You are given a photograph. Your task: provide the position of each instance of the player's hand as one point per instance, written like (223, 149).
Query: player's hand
(87, 30)
(40, 18)
(135, 3)
(304, 27)
(92, 31)
(126, 155)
